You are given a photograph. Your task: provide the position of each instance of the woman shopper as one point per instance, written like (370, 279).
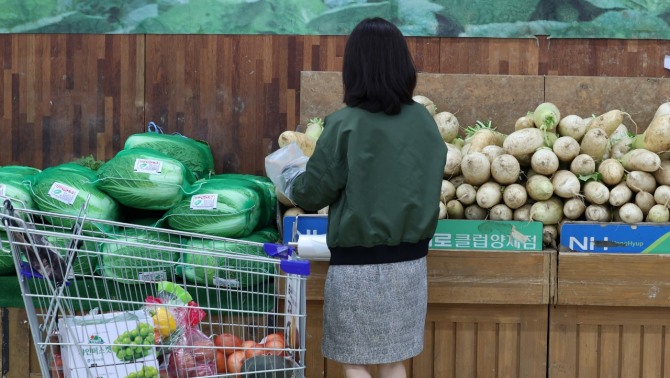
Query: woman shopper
(378, 165)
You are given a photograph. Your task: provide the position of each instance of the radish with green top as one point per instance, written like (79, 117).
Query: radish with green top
(505, 169)
(448, 125)
(546, 116)
(482, 135)
(475, 168)
(573, 126)
(314, 128)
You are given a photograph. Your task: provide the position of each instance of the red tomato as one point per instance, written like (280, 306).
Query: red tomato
(228, 342)
(235, 362)
(251, 348)
(221, 362)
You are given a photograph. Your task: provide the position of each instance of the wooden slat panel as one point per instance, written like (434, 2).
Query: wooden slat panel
(613, 280)
(602, 341)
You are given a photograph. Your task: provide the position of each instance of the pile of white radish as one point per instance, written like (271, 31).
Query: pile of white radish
(554, 168)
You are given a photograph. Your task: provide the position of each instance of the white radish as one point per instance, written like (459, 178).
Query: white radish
(583, 165)
(539, 188)
(596, 192)
(548, 211)
(546, 116)
(457, 180)
(482, 135)
(641, 160)
(427, 102)
(620, 194)
(620, 146)
(574, 208)
(662, 175)
(658, 214)
(662, 195)
(475, 168)
(523, 213)
(594, 143)
(645, 201)
(452, 165)
(489, 194)
(515, 196)
(641, 181)
(442, 214)
(466, 193)
(550, 236)
(573, 126)
(524, 142)
(501, 212)
(544, 161)
(475, 212)
(455, 210)
(630, 213)
(598, 213)
(524, 122)
(656, 137)
(447, 191)
(566, 148)
(663, 109)
(566, 184)
(492, 152)
(611, 171)
(505, 169)
(448, 125)
(608, 121)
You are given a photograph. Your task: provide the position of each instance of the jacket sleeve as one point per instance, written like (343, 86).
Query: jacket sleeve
(326, 172)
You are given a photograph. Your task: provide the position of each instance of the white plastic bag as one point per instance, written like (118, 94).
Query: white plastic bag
(284, 165)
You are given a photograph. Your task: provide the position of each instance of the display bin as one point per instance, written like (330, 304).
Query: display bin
(487, 316)
(611, 317)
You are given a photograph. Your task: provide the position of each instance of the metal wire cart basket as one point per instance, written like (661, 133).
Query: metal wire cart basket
(110, 299)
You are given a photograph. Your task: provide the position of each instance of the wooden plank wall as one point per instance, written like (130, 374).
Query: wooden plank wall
(66, 96)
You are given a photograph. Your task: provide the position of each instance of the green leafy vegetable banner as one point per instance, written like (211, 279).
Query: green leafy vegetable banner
(629, 19)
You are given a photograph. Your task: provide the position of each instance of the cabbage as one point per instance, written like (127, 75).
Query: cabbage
(234, 267)
(194, 154)
(236, 214)
(86, 259)
(266, 191)
(14, 185)
(6, 260)
(45, 192)
(140, 261)
(146, 188)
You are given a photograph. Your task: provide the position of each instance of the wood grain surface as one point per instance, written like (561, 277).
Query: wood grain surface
(70, 95)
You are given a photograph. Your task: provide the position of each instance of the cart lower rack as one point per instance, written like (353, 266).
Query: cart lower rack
(110, 299)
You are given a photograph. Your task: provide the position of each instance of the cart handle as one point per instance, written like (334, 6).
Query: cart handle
(288, 263)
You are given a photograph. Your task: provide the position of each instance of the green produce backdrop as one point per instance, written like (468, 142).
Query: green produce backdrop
(629, 19)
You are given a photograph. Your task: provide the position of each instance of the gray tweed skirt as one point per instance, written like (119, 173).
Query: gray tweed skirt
(374, 314)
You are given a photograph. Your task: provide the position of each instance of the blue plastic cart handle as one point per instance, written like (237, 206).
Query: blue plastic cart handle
(283, 252)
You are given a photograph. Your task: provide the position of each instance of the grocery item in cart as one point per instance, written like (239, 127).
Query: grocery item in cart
(6, 260)
(230, 263)
(143, 178)
(136, 255)
(14, 185)
(65, 189)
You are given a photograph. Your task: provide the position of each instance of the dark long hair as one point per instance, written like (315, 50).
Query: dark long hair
(378, 71)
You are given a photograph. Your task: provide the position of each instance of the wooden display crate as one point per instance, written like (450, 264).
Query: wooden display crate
(487, 316)
(612, 316)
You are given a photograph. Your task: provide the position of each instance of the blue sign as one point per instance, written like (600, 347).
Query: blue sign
(294, 226)
(616, 237)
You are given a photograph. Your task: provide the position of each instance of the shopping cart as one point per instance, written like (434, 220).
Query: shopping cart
(112, 299)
